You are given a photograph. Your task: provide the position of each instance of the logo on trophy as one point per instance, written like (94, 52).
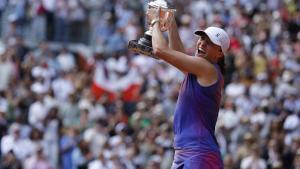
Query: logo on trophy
(144, 44)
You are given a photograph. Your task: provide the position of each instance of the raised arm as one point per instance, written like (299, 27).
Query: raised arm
(175, 41)
(190, 64)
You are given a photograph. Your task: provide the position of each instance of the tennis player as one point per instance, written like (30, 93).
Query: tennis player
(199, 98)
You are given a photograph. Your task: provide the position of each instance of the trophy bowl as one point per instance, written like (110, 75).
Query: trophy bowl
(144, 44)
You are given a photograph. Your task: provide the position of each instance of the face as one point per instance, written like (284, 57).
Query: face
(207, 49)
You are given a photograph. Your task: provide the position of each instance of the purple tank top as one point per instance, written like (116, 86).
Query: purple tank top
(196, 114)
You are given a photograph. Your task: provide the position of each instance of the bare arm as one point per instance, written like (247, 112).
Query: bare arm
(175, 41)
(195, 65)
(198, 66)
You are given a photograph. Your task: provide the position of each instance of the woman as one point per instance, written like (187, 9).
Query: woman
(199, 98)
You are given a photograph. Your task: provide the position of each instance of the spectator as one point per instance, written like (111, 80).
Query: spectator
(254, 160)
(10, 161)
(67, 144)
(38, 160)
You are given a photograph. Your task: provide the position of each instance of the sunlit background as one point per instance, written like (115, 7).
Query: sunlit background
(72, 96)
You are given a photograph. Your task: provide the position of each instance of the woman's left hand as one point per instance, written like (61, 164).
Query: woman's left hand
(152, 14)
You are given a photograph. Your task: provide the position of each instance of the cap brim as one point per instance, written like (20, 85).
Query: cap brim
(201, 33)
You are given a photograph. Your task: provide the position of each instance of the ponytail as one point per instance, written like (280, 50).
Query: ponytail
(221, 64)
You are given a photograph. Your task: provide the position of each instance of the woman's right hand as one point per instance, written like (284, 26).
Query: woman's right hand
(166, 21)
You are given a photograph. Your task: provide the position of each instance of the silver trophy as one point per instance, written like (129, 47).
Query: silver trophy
(144, 44)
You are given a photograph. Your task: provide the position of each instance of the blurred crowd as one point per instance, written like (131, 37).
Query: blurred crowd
(66, 78)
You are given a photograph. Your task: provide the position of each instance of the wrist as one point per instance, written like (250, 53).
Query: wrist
(154, 21)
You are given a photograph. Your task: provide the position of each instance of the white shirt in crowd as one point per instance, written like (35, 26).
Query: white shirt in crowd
(96, 138)
(62, 88)
(235, 89)
(251, 162)
(37, 113)
(260, 90)
(6, 71)
(66, 61)
(49, 5)
(96, 164)
(22, 148)
(229, 118)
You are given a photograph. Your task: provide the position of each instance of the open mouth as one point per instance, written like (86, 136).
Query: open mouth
(201, 51)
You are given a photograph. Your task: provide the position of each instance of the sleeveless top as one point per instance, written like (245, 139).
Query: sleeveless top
(196, 114)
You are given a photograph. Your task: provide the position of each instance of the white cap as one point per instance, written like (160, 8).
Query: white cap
(162, 3)
(218, 36)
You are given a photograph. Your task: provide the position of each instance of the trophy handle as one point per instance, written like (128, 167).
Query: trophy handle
(149, 32)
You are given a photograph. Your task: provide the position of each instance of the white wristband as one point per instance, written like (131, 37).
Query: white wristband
(154, 21)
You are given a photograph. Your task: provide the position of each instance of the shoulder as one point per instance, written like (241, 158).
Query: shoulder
(210, 77)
